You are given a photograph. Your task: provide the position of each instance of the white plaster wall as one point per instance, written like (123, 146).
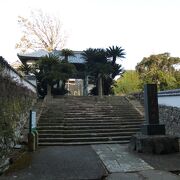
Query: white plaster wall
(169, 101)
(19, 79)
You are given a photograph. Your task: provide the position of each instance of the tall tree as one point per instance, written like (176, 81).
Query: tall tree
(98, 66)
(159, 69)
(128, 83)
(40, 31)
(66, 53)
(115, 52)
(49, 70)
(101, 69)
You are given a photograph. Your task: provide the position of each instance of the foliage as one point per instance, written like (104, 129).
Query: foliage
(114, 52)
(40, 31)
(3, 63)
(128, 83)
(25, 68)
(159, 69)
(66, 53)
(102, 64)
(49, 70)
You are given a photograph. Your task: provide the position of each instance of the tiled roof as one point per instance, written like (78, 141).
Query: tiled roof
(38, 53)
(77, 58)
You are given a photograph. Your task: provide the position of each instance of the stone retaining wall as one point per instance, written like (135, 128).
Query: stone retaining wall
(170, 116)
(16, 99)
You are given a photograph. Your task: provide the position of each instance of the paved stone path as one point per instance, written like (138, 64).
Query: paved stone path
(117, 158)
(85, 163)
(61, 163)
(144, 175)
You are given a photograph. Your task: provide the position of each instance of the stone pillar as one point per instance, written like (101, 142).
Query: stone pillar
(151, 126)
(152, 138)
(100, 90)
(85, 86)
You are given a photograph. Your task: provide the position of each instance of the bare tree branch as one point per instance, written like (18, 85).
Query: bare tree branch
(41, 31)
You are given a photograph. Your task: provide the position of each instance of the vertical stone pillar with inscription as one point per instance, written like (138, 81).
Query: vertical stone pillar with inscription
(151, 126)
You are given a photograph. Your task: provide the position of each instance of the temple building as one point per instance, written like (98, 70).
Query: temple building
(76, 85)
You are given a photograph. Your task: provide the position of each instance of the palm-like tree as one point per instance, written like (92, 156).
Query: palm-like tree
(25, 68)
(115, 52)
(66, 53)
(97, 66)
(50, 71)
(103, 70)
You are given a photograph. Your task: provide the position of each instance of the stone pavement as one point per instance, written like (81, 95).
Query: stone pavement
(117, 158)
(126, 165)
(94, 163)
(61, 163)
(144, 175)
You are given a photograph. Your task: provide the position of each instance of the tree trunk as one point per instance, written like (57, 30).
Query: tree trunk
(100, 90)
(114, 60)
(48, 90)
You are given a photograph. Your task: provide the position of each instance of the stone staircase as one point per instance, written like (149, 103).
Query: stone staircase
(81, 120)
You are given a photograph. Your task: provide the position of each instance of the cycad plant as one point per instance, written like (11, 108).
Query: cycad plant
(101, 69)
(50, 70)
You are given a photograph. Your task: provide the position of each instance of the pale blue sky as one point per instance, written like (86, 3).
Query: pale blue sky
(141, 27)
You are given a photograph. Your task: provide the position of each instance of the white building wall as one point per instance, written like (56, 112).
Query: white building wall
(169, 101)
(16, 77)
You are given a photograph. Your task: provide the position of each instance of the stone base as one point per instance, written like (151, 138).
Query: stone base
(36, 139)
(157, 144)
(31, 142)
(153, 129)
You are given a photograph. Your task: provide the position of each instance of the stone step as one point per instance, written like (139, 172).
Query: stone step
(107, 134)
(90, 123)
(93, 106)
(90, 118)
(87, 109)
(77, 131)
(81, 143)
(89, 104)
(84, 139)
(102, 116)
(110, 115)
(100, 112)
(46, 122)
(76, 123)
(86, 127)
(84, 111)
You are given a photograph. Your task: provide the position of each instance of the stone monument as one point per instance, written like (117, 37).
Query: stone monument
(151, 126)
(152, 138)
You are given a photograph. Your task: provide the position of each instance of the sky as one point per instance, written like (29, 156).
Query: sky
(141, 27)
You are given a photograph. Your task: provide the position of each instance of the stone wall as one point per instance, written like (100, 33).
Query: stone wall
(170, 116)
(15, 102)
